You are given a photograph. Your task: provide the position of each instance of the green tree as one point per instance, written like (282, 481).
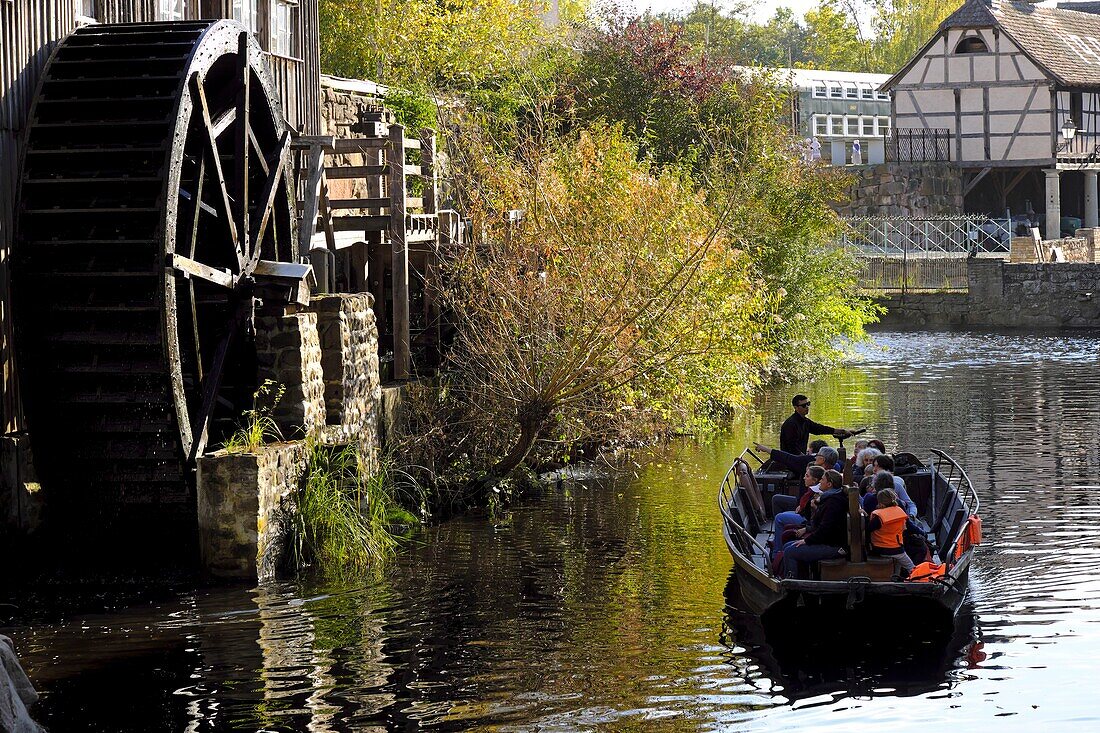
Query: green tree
(903, 26)
(834, 40)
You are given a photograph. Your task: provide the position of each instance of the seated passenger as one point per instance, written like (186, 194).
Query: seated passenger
(863, 461)
(877, 445)
(879, 481)
(816, 445)
(826, 457)
(827, 533)
(886, 527)
(791, 512)
(886, 463)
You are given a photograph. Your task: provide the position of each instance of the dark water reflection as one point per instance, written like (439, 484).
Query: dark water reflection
(604, 604)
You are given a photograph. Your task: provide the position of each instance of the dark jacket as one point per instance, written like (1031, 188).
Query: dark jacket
(829, 525)
(794, 436)
(796, 463)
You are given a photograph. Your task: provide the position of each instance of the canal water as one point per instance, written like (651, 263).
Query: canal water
(603, 604)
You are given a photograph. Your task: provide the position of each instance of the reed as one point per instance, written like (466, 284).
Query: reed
(348, 519)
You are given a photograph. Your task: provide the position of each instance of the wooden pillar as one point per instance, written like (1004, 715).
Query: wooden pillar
(427, 164)
(1054, 204)
(395, 161)
(855, 526)
(1092, 214)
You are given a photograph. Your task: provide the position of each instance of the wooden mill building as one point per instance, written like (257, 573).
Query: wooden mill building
(1015, 87)
(29, 31)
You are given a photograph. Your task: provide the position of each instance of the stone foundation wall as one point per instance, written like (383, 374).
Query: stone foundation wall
(288, 353)
(327, 361)
(349, 359)
(245, 501)
(1037, 295)
(905, 189)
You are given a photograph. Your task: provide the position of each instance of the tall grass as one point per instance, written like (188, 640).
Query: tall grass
(348, 520)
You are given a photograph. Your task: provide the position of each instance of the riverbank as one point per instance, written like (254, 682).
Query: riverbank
(1003, 295)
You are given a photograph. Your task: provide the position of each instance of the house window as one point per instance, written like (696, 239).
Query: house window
(248, 13)
(851, 125)
(836, 125)
(284, 14)
(867, 126)
(867, 92)
(171, 9)
(820, 90)
(821, 125)
(836, 91)
(972, 44)
(883, 125)
(850, 91)
(882, 96)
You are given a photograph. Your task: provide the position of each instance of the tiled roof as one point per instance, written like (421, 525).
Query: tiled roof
(973, 14)
(1065, 42)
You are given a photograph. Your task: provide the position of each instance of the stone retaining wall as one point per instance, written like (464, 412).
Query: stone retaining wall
(1035, 295)
(245, 501)
(905, 189)
(326, 359)
(349, 359)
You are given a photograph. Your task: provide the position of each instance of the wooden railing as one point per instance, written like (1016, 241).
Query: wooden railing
(376, 236)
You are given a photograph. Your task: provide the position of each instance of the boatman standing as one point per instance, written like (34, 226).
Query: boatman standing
(796, 430)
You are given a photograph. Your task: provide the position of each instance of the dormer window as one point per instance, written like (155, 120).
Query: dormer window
(972, 44)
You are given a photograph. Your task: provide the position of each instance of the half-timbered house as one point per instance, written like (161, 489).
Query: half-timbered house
(1015, 88)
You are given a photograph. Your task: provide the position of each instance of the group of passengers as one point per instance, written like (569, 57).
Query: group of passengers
(814, 525)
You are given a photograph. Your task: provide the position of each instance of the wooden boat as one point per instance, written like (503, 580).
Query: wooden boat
(945, 499)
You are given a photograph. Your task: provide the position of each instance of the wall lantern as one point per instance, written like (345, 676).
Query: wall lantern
(1069, 130)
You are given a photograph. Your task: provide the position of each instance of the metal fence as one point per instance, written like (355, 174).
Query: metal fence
(918, 145)
(907, 253)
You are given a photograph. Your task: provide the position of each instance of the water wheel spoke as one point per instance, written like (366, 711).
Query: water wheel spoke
(243, 144)
(196, 341)
(213, 382)
(193, 268)
(267, 199)
(215, 158)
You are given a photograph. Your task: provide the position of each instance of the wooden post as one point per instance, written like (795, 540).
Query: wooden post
(427, 166)
(855, 526)
(395, 161)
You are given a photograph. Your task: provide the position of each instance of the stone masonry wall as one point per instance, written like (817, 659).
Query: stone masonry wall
(327, 361)
(349, 358)
(244, 503)
(1035, 295)
(905, 189)
(288, 352)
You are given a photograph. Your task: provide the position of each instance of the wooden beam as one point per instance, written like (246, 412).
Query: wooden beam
(974, 181)
(431, 175)
(1015, 182)
(354, 171)
(193, 268)
(271, 189)
(200, 429)
(215, 158)
(395, 158)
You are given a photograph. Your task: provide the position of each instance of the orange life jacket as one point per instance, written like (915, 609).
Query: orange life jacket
(926, 572)
(972, 536)
(889, 535)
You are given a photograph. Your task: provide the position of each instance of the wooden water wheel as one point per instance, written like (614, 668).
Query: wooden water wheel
(156, 211)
